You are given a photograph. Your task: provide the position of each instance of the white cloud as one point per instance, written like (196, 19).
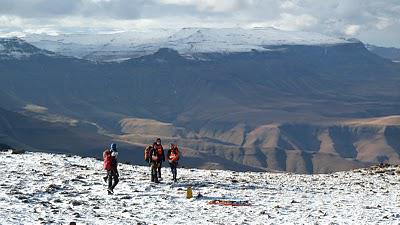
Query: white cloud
(210, 5)
(383, 23)
(352, 29)
(369, 20)
(295, 22)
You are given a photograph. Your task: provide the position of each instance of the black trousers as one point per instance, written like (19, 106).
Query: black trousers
(112, 178)
(155, 171)
(173, 167)
(159, 169)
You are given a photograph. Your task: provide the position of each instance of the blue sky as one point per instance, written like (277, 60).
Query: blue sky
(371, 21)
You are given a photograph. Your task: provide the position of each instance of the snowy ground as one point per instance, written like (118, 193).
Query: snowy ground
(41, 188)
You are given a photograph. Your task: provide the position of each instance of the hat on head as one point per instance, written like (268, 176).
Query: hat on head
(113, 147)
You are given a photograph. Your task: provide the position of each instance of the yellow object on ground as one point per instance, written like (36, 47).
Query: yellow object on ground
(189, 193)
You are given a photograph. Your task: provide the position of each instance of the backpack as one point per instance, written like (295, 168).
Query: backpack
(147, 153)
(107, 160)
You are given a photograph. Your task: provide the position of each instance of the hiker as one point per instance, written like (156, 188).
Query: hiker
(173, 158)
(155, 162)
(161, 157)
(111, 166)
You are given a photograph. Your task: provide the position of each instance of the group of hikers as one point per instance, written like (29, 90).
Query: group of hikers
(153, 155)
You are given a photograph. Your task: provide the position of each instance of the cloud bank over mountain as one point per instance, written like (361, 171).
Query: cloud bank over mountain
(371, 21)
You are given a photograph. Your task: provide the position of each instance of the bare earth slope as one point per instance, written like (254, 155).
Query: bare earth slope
(292, 147)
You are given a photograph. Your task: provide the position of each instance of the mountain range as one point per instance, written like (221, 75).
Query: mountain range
(385, 52)
(258, 99)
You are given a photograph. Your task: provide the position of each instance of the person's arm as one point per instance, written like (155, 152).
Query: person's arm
(104, 153)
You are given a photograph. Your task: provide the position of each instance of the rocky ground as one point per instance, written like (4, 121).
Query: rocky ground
(38, 188)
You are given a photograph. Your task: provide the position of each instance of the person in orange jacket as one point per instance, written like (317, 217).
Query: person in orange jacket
(173, 158)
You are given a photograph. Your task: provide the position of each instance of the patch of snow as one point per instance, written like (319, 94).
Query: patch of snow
(59, 189)
(35, 108)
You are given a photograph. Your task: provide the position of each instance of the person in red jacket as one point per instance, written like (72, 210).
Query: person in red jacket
(173, 158)
(111, 166)
(161, 157)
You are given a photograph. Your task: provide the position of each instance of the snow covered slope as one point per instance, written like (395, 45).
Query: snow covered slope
(205, 40)
(100, 47)
(187, 41)
(11, 48)
(58, 189)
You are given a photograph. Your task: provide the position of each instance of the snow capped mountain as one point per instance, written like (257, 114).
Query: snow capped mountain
(206, 40)
(101, 47)
(187, 41)
(17, 48)
(59, 189)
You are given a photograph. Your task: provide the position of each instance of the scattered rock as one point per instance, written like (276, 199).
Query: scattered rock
(53, 188)
(199, 195)
(14, 192)
(16, 151)
(57, 201)
(78, 180)
(21, 197)
(126, 197)
(294, 201)
(72, 223)
(76, 203)
(384, 165)
(45, 203)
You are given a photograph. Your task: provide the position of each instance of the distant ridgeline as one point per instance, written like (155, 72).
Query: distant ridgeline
(314, 106)
(5, 147)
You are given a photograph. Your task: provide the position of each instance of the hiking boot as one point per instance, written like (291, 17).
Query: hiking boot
(105, 179)
(109, 190)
